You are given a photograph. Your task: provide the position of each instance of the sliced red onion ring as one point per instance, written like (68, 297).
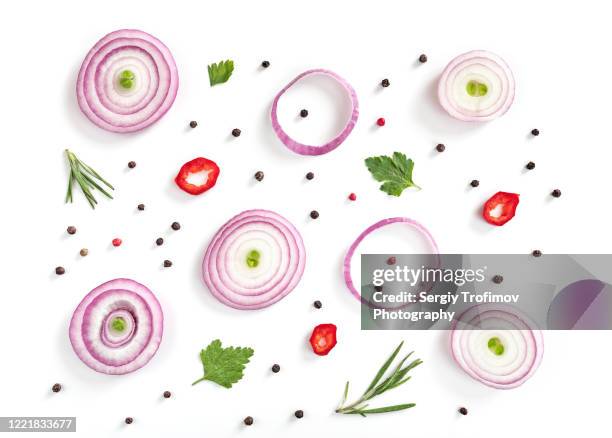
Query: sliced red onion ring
(127, 81)
(117, 327)
(304, 149)
(348, 279)
(476, 86)
(496, 345)
(254, 260)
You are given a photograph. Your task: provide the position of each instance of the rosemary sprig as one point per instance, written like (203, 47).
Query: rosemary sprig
(379, 386)
(87, 178)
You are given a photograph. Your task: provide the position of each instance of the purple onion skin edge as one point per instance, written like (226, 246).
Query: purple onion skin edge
(304, 149)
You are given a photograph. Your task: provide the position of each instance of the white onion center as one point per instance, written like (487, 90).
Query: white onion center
(481, 72)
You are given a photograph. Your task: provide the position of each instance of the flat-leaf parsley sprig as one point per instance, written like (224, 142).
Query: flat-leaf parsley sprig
(219, 73)
(224, 366)
(394, 172)
(379, 386)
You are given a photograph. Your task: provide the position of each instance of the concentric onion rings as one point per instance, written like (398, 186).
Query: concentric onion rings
(273, 273)
(520, 344)
(153, 82)
(304, 149)
(348, 279)
(488, 71)
(117, 327)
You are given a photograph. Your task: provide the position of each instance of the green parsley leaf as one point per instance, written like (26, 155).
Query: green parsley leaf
(220, 73)
(224, 366)
(394, 172)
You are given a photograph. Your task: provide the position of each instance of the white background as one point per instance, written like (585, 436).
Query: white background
(560, 55)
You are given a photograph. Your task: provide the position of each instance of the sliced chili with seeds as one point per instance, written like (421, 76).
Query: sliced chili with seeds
(323, 339)
(500, 208)
(197, 165)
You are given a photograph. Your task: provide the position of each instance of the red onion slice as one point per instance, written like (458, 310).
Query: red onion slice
(496, 345)
(348, 279)
(254, 260)
(304, 149)
(127, 81)
(476, 86)
(117, 327)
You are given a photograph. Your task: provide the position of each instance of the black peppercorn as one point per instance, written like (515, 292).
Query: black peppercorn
(236, 132)
(463, 411)
(475, 183)
(309, 176)
(71, 229)
(129, 420)
(314, 214)
(378, 288)
(440, 147)
(248, 421)
(167, 263)
(167, 394)
(385, 83)
(159, 241)
(275, 368)
(556, 193)
(299, 413)
(391, 260)
(141, 207)
(423, 58)
(193, 124)
(536, 253)
(56, 388)
(317, 304)
(175, 226)
(535, 132)
(259, 175)
(60, 270)
(265, 64)
(498, 279)
(132, 164)
(304, 113)
(530, 165)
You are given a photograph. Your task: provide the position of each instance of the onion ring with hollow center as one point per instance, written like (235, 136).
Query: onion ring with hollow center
(304, 149)
(348, 279)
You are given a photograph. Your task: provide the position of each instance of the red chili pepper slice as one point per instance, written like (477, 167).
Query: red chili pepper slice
(500, 208)
(323, 339)
(197, 165)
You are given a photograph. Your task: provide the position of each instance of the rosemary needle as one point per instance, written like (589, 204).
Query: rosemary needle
(87, 179)
(396, 378)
